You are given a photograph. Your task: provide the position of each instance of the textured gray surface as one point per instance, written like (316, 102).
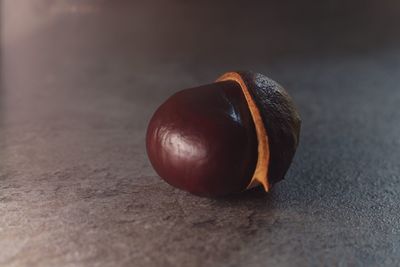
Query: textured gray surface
(80, 79)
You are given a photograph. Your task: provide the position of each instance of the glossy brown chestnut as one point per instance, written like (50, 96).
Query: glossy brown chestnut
(225, 137)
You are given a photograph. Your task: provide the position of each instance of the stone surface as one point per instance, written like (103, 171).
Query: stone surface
(80, 80)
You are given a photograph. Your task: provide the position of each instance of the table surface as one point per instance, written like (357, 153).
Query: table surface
(80, 80)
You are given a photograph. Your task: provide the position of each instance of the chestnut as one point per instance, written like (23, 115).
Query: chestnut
(225, 137)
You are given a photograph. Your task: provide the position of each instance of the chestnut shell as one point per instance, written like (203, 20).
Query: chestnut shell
(281, 121)
(203, 140)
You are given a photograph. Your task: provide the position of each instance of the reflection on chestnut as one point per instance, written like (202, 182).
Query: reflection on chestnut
(222, 138)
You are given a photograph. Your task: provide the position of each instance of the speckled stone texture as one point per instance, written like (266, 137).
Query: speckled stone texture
(80, 80)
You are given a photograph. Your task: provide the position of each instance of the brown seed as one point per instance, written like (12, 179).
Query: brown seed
(222, 138)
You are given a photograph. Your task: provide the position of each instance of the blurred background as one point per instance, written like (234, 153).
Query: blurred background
(79, 80)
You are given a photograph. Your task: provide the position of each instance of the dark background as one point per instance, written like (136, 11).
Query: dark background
(80, 80)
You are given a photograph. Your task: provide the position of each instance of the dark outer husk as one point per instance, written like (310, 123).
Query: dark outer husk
(281, 120)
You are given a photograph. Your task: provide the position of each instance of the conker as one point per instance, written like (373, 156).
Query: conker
(222, 138)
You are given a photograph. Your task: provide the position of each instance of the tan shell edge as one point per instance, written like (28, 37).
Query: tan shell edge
(260, 175)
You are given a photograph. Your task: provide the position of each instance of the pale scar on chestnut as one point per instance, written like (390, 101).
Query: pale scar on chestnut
(222, 138)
